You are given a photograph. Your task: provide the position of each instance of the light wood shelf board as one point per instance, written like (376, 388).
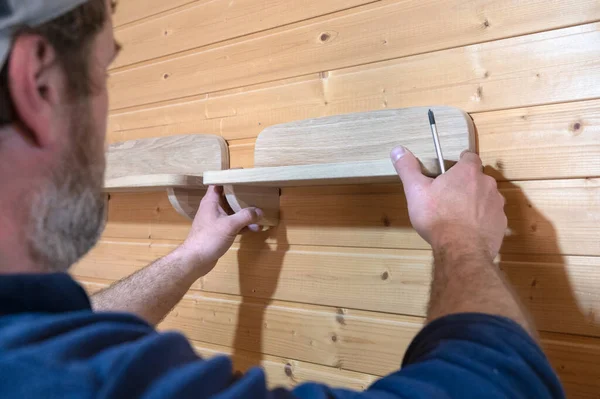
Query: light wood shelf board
(350, 149)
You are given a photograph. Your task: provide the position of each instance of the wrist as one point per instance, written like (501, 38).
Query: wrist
(459, 241)
(192, 262)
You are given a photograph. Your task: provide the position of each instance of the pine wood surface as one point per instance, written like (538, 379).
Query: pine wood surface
(526, 72)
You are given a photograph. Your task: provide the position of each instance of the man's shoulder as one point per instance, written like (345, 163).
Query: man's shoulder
(23, 330)
(112, 355)
(38, 350)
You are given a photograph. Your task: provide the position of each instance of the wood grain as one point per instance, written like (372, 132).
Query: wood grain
(210, 22)
(289, 373)
(133, 10)
(325, 174)
(548, 142)
(576, 361)
(551, 141)
(386, 31)
(497, 75)
(364, 136)
(534, 98)
(551, 217)
(396, 280)
(561, 291)
(350, 149)
(175, 161)
(241, 153)
(156, 182)
(363, 340)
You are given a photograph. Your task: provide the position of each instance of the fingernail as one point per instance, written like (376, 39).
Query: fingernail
(259, 213)
(255, 228)
(398, 153)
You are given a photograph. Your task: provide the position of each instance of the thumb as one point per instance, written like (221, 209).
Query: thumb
(408, 168)
(244, 218)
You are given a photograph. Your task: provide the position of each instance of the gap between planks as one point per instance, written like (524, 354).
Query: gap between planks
(555, 217)
(244, 114)
(174, 48)
(129, 87)
(574, 357)
(401, 278)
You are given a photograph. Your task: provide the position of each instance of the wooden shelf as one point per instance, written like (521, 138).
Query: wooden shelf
(175, 164)
(165, 162)
(344, 149)
(350, 149)
(364, 172)
(155, 182)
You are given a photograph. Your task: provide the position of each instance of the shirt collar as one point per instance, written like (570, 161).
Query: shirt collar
(41, 293)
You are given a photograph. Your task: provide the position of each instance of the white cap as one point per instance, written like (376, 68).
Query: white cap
(16, 13)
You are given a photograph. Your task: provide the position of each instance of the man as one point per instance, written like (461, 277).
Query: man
(479, 342)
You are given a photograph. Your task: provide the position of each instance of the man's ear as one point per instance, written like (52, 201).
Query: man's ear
(36, 84)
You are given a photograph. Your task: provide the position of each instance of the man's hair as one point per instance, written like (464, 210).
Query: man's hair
(71, 35)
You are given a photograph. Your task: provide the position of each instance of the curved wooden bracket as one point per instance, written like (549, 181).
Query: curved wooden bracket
(265, 198)
(186, 201)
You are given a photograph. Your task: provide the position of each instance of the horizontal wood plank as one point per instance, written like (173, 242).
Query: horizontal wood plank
(284, 372)
(134, 10)
(363, 340)
(361, 38)
(396, 281)
(545, 217)
(535, 102)
(551, 141)
(560, 291)
(210, 22)
(576, 361)
(335, 337)
(546, 142)
(505, 136)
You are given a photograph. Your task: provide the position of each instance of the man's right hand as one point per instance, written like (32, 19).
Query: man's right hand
(460, 209)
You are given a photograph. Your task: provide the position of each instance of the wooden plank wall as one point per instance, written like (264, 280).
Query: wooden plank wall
(338, 290)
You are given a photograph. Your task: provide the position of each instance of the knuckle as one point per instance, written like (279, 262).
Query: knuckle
(491, 181)
(247, 215)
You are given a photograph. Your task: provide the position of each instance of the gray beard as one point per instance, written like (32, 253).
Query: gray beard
(66, 222)
(68, 213)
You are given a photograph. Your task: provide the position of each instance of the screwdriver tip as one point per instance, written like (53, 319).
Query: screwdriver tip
(431, 117)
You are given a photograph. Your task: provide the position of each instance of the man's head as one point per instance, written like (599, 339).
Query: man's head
(53, 108)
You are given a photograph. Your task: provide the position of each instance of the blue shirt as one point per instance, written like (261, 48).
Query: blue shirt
(52, 345)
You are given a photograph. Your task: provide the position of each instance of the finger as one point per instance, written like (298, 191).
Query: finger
(468, 157)
(408, 168)
(213, 194)
(244, 218)
(503, 199)
(225, 208)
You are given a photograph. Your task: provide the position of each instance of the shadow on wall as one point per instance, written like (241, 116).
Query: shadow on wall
(532, 261)
(553, 287)
(256, 258)
(530, 258)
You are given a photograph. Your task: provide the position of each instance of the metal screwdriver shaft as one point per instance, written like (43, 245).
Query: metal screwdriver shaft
(436, 142)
